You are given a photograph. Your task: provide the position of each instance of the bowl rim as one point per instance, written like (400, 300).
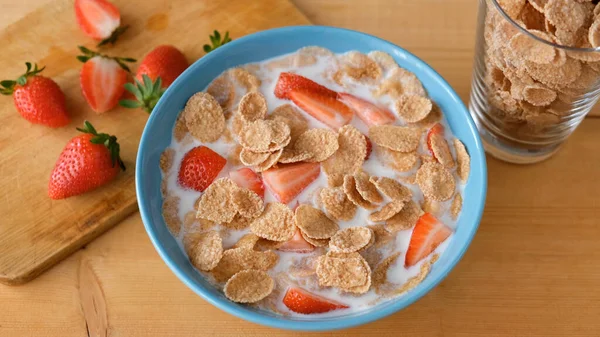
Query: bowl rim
(334, 323)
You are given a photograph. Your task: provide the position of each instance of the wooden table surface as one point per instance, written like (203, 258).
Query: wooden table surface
(533, 268)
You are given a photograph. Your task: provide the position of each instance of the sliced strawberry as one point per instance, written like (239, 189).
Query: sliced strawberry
(428, 233)
(99, 19)
(247, 178)
(301, 301)
(368, 112)
(287, 181)
(322, 107)
(296, 244)
(288, 82)
(199, 168)
(436, 129)
(369, 147)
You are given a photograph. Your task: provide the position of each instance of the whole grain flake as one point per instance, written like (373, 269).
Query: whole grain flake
(321, 143)
(435, 181)
(353, 195)
(216, 203)
(351, 239)
(275, 223)
(336, 204)
(413, 108)
(397, 138)
(249, 286)
(349, 157)
(314, 223)
(204, 117)
(252, 107)
(204, 249)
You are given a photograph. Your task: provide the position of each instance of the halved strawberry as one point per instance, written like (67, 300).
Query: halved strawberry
(287, 181)
(368, 112)
(325, 108)
(296, 244)
(102, 79)
(301, 301)
(288, 82)
(199, 168)
(438, 129)
(247, 178)
(428, 233)
(369, 147)
(99, 19)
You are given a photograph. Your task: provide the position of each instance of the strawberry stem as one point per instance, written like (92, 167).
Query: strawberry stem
(108, 140)
(88, 54)
(216, 41)
(7, 87)
(147, 94)
(114, 36)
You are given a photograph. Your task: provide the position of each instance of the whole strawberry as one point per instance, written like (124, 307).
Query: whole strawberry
(156, 72)
(166, 62)
(99, 19)
(102, 79)
(88, 161)
(37, 98)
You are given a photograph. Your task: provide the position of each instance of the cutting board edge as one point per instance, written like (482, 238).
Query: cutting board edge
(51, 260)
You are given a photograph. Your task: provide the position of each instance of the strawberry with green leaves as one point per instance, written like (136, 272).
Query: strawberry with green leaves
(87, 162)
(158, 70)
(37, 98)
(100, 20)
(102, 79)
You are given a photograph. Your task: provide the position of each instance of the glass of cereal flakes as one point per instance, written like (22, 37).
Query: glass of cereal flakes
(536, 74)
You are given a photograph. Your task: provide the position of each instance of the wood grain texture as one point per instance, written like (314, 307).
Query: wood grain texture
(36, 232)
(532, 270)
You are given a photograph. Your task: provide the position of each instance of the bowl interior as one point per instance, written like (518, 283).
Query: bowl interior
(268, 44)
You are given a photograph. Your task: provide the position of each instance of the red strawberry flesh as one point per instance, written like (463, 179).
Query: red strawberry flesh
(247, 178)
(289, 82)
(97, 18)
(368, 112)
(427, 235)
(199, 168)
(437, 129)
(286, 182)
(303, 302)
(326, 109)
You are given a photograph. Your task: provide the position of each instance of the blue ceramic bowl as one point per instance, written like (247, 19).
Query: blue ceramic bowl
(268, 44)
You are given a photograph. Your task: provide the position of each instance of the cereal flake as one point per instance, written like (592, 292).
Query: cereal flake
(243, 258)
(321, 143)
(249, 286)
(353, 195)
(441, 150)
(392, 188)
(435, 181)
(366, 188)
(413, 108)
(336, 203)
(265, 135)
(397, 138)
(463, 159)
(251, 158)
(204, 117)
(405, 219)
(351, 239)
(314, 223)
(216, 202)
(456, 206)
(252, 107)
(348, 158)
(204, 249)
(276, 223)
(387, 211)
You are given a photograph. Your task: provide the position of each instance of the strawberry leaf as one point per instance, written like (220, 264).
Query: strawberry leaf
(107, 140)
(7, 87)
(146, 92)
(216, 41)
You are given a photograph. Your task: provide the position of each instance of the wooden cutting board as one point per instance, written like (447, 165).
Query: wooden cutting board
(36, 232)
